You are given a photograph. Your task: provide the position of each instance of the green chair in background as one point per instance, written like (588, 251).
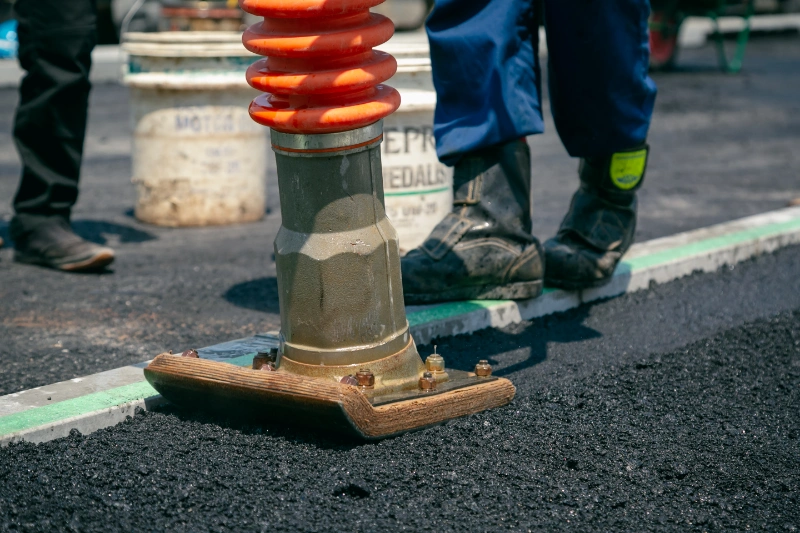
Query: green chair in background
(668, 15)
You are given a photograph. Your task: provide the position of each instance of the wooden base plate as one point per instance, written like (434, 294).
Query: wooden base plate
(318, 403)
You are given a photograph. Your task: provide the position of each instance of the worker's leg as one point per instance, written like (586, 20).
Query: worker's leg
(602, 101)
(598, 55)
(56, 38)
(56, 41)
(486, 74)
(485, 70)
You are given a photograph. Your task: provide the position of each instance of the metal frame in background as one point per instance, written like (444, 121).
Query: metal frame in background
(673, 13)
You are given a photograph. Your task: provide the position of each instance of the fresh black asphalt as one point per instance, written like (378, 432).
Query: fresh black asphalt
(671, 409)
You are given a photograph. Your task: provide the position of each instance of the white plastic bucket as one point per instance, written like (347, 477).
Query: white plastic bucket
(198, 158)
(418, 188)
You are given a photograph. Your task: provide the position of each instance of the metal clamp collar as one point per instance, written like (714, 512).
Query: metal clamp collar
(321, 144)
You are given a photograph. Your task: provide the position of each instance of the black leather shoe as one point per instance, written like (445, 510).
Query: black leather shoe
(600, 224)
(49, 241)
(483, 249)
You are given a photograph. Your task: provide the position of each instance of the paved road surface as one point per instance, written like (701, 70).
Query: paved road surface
(672, 409)
(669, 409)
(724, 147)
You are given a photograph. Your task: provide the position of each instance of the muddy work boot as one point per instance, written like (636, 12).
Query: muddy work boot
(600, 224)
(484, 248)
(49, 241)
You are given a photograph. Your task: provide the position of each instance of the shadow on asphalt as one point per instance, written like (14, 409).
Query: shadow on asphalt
(96, 231)
(531, 337)
(538, 335)
(262, 295)
(100, 232)
(259, 295)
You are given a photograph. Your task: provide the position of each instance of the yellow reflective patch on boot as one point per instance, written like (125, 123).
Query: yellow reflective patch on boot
(627, 168)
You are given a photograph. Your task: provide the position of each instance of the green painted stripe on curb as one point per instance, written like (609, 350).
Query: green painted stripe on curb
(451, 310)
(40, 416)
(82, 405)
(97, 401)
(409, 193)
(708, 245)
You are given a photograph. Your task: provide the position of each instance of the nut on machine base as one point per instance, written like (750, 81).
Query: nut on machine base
(320, 403)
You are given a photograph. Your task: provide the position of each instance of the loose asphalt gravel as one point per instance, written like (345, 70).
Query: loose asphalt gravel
(674, 408)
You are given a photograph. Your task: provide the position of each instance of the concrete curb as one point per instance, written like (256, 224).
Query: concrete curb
(104, 399)
(657, 261)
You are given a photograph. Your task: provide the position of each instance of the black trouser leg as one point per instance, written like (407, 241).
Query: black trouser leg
(56, 38)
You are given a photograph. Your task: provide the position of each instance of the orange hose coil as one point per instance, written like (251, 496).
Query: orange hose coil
(321, 74)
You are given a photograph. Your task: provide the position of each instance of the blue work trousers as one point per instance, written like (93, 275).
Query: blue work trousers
(486, 72)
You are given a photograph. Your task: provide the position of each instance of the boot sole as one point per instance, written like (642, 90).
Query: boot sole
(95, 262)
(521, 290)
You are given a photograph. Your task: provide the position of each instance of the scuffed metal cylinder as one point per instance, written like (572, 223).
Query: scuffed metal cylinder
(338, 261)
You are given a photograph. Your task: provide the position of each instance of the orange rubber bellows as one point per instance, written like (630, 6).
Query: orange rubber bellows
(320, 74)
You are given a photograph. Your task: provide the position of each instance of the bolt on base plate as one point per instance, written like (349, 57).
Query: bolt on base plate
(321, 403)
